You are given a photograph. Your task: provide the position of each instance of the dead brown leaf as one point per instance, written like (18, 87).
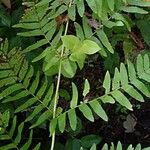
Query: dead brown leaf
(130, 123)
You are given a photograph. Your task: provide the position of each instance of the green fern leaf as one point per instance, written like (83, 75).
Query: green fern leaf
(104, 39)
(85, 109)
(121, 98)
(72, 12)
(72, 119)
(107, 83)
(80, 7)
(28, 143)
(116, 80)
(123, 74)
(52, 127)
(119, 146)
(42, 118)
(86, 89)
(97, 108)
(105, 147)
(79, 31)
(74, 100)
(37, 22)
(13, 138)
(21, 84)
(86, 28)
(37, 147)
(62, 122)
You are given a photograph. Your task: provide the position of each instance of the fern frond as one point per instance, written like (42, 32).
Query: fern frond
(129, 81)
(40, 21)
(20, 83)
(120, 147)
(13, 135)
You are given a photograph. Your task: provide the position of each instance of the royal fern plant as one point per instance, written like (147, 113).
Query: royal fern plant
(65, 36)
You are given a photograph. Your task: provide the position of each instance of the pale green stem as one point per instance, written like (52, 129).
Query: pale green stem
(58, 82)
